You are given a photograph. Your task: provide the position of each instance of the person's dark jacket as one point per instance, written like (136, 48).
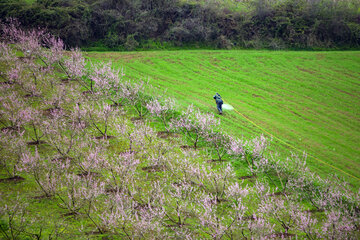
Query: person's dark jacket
(218, 99)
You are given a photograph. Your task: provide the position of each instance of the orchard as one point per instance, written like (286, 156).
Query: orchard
(81, 158)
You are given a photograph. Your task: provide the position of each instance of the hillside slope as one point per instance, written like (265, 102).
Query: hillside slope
(310, 100)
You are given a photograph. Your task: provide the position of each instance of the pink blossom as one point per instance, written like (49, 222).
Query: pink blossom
(194, 124)
(105, 79)
(55, 50)
(74, 65)
(161, 109)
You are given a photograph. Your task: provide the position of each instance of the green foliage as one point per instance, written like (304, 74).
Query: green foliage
(112, 40)
(224, 24)
(131, 43)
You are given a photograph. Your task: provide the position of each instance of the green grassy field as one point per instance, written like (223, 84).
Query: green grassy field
(309, 100)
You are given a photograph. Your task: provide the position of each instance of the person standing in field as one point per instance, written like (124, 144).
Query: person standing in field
(219, 102)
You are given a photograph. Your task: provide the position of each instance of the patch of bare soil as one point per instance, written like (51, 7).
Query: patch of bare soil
(88, 174)
(87, 92)
(50, 112)
(249, 218)
(35, 143)
(116, 105)
(282, 235)
(165, 134)
(178, 184)
(112, 190)
(126, 153)
(136, 119)
(299, 115)
(183, 183)
(96, 233)
(257, 96)
(69, 214)
(216, 160)
(280, 194)
(30, 95)
(277, 194)
(23, 58)
(14, 179)
(61, 159)
(155, 168)
(7, 83)
(186, 147)
(305, 70)
(104, 137)
(320, 56)
(314, 211)
(10, 129)
(41, 197)
(65, 80)
(248, 177)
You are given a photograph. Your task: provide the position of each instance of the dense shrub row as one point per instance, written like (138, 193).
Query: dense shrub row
(133, 24)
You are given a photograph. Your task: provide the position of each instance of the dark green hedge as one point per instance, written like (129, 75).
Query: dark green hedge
(132, 24)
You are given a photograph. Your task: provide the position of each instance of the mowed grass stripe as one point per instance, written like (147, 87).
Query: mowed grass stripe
(308, 99)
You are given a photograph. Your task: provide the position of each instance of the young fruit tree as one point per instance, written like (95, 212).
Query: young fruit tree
(194, 124)
(163, 110)
(101, 116)
(42, 172)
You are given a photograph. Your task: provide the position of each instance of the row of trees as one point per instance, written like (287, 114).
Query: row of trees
(66, 135)
(135, 24)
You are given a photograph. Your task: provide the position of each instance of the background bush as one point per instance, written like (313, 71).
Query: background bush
(126, 24)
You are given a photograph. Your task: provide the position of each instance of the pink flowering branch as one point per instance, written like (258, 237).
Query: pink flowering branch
(54, 52)
(284, 211)
(281, 172)
(89, 157)
(136, 97)
(161, 109)
(7, 54)
(90, 193)
(214, 220)
(34, 118)
(338, 226)
(122, 171)
(10, 60)
(214, 182)
(237, 147)
(118, 216)
(27, 41)
(12, 147)
(100, 116)
(13, 110)
(74, 66)
(44, 176)
(79, 193)
(15, 221)
(180, 205)
(194, 124)
(138, 137)
(137, 216)
(219, 143)
(307, 224)
(106, 81)
(62, 134)
(259, 227)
